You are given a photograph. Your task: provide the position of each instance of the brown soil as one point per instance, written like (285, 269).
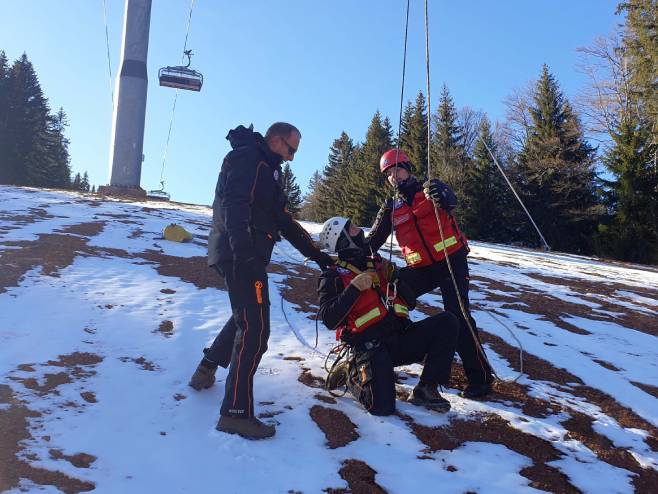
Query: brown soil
(78, 460)
(647, 388)
(168, 291)
(580, 428)
(337, 427)
(142, 362)
(15, 429)
(52, 251)
(310, 380)
(541, 370)
(84, 229)
(89, 397)
(325, 399)
(360, 478)
(300, 289)
(179, 397)
(193, 270)
(166, 328)
(493, 429)
(294, 358)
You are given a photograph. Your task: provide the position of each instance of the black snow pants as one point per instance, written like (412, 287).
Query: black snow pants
(242, 341)
(426, 279)
(431, 341)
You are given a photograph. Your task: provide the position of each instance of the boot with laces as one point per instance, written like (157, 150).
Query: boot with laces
(427, 395)
(249, 427)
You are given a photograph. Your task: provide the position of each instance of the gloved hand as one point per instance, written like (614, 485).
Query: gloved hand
(363, 281)
(323, 260)
(390, 271)
(440, 193)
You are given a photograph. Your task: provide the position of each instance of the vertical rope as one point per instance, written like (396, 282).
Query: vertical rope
(107, 46)
(173, 108)
(482, 356)
(397, 151)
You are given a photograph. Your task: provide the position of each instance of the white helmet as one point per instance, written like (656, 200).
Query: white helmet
(331, 231)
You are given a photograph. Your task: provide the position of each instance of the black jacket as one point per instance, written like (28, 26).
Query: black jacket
(381, 228)
(249, 209)
(336, 301)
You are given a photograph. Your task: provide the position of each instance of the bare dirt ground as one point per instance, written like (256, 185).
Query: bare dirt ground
(55, 251)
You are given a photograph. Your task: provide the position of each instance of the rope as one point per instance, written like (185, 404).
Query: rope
(482, 357)
(546, 246)
(298, 335)
(173, 108)
(509, 330)
(397, 150)
(107, 46)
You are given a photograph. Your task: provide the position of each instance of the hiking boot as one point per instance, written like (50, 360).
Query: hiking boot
(474, 391)
(428, 396)
(203, 377)
(249, 428)
(337, 378)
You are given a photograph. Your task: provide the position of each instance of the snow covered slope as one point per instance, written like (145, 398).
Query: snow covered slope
(102, 323)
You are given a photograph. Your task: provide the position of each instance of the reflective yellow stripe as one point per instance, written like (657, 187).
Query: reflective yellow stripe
(449, 242)
(369, 316)
(413, 258)
(401, 309)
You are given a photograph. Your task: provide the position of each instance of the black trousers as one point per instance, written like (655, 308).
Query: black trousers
(432, 341)
(424, 280)
(242, 341)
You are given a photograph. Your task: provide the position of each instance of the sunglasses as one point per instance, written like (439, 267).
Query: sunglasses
(291, 150)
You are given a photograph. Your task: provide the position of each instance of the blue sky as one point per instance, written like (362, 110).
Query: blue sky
(325, 66)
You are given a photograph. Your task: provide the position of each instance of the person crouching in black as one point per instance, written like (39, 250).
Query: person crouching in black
(363, 299)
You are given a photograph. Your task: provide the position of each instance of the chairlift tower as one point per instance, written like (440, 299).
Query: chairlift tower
(126, 149)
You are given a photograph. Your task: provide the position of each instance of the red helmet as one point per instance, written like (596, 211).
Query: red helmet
(389, 160)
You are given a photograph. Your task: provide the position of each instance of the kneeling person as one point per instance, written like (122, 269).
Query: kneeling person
(368, 306)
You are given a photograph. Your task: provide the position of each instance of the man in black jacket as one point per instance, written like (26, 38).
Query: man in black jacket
(363, 299)
(249, 211)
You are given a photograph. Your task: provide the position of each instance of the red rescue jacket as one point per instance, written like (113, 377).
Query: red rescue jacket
(418, 234)
(370, 307)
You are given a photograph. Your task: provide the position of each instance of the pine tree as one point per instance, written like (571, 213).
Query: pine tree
(631, 233)
(413, 135)
(59, 174)
(641, 52)
(310, 209)
(84, 183)
(448, 156)
(29, 121)
(291, 189)
(366, 186)
(93, 189)
(332, 196)
(486, 208)
(556, 166)
(75, 184)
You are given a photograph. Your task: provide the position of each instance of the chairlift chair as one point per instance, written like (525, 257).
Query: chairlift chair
(181, 76)
(158, 194)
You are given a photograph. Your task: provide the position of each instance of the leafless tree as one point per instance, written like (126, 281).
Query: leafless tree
(518, 124)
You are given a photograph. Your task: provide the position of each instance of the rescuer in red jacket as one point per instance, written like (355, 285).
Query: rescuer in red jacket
(363, 299)
(411, 215)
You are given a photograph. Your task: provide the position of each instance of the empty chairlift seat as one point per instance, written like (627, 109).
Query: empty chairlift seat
(181, 78)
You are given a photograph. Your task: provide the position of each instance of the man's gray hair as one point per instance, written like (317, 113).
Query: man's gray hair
(281, 129)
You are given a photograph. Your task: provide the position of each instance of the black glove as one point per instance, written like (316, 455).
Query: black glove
(390, 271)
(323, 260)
(440, 193)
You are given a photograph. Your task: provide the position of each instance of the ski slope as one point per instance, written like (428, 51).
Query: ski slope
(102, 323)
